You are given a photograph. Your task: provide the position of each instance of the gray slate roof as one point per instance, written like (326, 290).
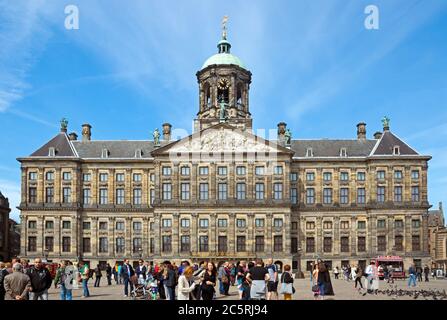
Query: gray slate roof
(61, 145)
(117, 149)
(332, 148)
(389, 141)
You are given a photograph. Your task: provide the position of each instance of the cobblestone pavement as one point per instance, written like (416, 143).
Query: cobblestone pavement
(343, 291)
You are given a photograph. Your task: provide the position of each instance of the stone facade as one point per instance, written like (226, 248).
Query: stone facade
(437, 232)
(4, 228)
(224, 193)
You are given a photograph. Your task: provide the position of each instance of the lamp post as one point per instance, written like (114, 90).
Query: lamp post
(45, 255)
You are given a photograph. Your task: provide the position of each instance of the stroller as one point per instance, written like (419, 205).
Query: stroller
(140, 290)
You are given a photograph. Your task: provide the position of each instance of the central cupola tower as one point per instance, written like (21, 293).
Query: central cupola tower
(224, 85)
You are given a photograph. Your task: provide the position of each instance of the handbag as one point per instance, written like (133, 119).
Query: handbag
(315, 288)
(286, 288)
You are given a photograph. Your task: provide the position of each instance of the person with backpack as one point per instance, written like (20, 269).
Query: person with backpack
(40, 281)
(63, 280)
(98, 276)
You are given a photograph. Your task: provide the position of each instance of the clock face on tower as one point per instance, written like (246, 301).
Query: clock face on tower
(223, 84)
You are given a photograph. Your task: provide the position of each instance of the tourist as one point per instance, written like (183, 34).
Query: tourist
(372, 278)
(17, 284)
(127, 272)
(3, 273)
(120, 277)
(84, 272)
(98, 276)
(419, 273)
(314, 280)
(220, 274)
(209, 282)
(8, 266)
(426, 273)
(25, 265)
(390, 274)
(233, 271)
(63, 279)
(336, 272)
(109, 274)
(358, 277)
(141, 270)
(272, 284)
(287, 288)
(197, 278)
(40, 280)
(240, 278)
(171, 280)
(184, 287)
(324, 280)
(225, 279)
(353, 273)
(412, 276)
(258, 276)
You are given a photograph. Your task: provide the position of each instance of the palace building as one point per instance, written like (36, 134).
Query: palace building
(224, 193)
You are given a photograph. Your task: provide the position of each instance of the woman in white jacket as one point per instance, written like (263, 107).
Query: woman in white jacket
(184, 289)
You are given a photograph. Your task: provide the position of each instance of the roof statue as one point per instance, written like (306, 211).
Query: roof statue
(156, 135)
(64, 124)
(224, 27)
(288, 136)
(386, 123)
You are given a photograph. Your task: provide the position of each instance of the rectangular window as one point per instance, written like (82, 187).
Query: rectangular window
(32, 195)
(259, 223)
(66, 192)
(103, 196)
(167, 191)
(185, 223)
(327, 225)
(398, 243)
(361, 196)
(152, 177)
(344, 244)
(415, 174)
(398, 194)
(86, 177)
(310, 245)
(203, 191)
(222, 223)
(259, 171)
(137, 177)
(416, 224)
(184, 191)
(86, 247)
(310, 176)
(49, 244)
(344, 195)
(241, 223)
(259, 189)
(399, 224)
(361, 244)
(259, 243)
(398, 175)
(120, 196)
(310, 196)
(137, 245)
(277, 191)
(166, 244)
(310, 225)
(327, 244)
(277, 244)
(119, 177)
(137, 196)
(294, 245)
(327, 195)
(86, 196)
(49, 195)
(204, 223)
(49, 176)
(415, 194)
(185, 171)
(222, 191)
(278, 170)
(203, 244)
(120, 225)
(381, 243)
(166, 171)
(240, 191)
(327, 176)
(222, 171)
(120, 245)
(203, 171)
(361, 176)
(49, 225)
(240, 244)
(222, 244)
(32, 244)
(32, 176)
(294, 177)
(66, 244)
(241, 171)
(103, 245)
(103, 225)
(185, 243)
(152, 195)
(344, 225)
(380, 175)
(361, 225)
(277, 223)
(137, 226)
(103, 177)
(381, 224)
(415, 243)
(344, 176)
(166, 223)
(66, 225)
(381, 194)
(66, 176)
(294, 195)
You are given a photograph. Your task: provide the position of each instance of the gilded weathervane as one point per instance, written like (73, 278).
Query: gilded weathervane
(224, 27)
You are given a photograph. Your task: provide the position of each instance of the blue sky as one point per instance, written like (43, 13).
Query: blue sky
(131, 66)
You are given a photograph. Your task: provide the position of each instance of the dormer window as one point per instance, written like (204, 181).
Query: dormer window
(138, 153)
(51, 152)
(105, 153)
(396, 151)
(309, 153)
(343, 153)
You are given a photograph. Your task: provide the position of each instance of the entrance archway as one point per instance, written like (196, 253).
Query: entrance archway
(279, 265)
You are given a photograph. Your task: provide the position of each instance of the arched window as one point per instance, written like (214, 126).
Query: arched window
(239, 97)
(207, 96)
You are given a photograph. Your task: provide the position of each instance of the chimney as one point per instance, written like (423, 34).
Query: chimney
(361, 131)
(73, 136)
(86, 132)
(377, 135)
(166, 131)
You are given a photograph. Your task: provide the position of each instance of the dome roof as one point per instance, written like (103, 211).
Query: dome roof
(223, 59)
